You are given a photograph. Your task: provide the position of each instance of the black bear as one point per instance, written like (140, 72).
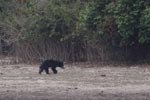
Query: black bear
(52, 64)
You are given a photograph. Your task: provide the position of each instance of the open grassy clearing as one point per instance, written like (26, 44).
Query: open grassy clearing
(22, 82)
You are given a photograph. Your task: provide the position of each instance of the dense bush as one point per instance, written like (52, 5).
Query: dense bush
(82, 28)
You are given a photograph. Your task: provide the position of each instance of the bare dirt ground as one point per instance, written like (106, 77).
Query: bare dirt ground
(22, 82)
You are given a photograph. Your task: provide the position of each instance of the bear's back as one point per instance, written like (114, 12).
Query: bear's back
(50, 63)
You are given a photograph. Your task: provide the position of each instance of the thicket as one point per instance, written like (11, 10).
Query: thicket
(75, 30)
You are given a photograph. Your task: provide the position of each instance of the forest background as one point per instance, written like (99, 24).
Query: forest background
(75, 30)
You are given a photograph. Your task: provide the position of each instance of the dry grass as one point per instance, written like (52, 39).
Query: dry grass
(22, 82)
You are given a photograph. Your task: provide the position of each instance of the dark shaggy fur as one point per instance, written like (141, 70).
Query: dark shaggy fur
(50, 64)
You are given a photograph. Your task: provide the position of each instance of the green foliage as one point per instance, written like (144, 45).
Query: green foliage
(127, 14)
(123, 22)
(118, 23)
(58, 19)
(144, 35)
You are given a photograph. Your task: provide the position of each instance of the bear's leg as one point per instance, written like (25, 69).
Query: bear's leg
(40, 70)
(54, 70)
(47, 71)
